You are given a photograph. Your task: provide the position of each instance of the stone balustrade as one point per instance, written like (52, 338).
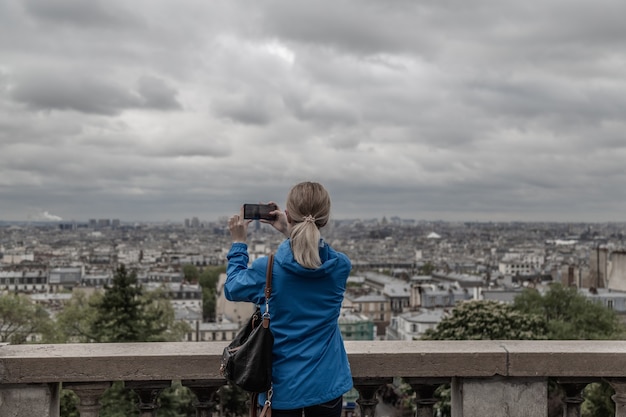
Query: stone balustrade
(487, 378)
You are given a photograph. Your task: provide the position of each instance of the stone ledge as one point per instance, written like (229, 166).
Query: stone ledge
(567, 359)
(21, 364)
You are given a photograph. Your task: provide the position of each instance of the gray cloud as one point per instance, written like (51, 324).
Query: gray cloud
(75, 12)
(90, 93)
(70, 91)
(494, 110)
(157, 94)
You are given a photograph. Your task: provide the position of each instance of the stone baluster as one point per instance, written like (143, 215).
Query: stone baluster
(573, 397)
(368, 389)
(204, 391)
(148, 392)
(619, 398)
(89, 394)
(425, 394)
(499, 397)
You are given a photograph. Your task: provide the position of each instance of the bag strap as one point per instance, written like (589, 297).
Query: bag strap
(268, 289)
(266, 411)
(254, 399)
(267, 407)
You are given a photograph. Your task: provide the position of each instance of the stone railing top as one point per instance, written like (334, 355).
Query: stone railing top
(20, 364)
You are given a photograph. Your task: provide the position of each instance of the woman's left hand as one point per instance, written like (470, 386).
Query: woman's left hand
(238, 227)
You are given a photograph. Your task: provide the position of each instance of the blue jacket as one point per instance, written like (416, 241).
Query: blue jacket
(310, 362)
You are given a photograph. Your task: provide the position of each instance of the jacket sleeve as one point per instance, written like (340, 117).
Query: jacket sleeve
(243, 283)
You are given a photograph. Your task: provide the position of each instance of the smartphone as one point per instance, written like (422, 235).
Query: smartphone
(259, 211)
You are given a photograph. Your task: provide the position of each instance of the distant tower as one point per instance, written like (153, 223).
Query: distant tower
(598, 261)
(617, 274)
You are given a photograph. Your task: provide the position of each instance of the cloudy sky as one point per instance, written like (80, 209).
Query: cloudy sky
(486, 110)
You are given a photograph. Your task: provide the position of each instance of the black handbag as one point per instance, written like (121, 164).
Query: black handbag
(247, 360)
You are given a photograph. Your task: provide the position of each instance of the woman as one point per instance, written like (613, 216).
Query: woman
(310, 366)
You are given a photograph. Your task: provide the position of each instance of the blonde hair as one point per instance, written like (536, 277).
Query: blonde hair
(308, 206)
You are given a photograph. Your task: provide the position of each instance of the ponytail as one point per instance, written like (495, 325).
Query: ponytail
(305, 237)
(308, 205)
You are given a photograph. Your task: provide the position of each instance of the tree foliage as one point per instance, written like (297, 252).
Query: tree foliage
(233, 400)
(75, 322)
(570, 315)
(487, 320)
(20, 319)
(427, 268)
(559, 314)
(191, 273)
(124, 313)
(483, 320)
(208, 279)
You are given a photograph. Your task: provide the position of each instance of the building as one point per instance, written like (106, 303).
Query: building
(502, 295)
(24, 280)
(214, 332)
(521, 263)
(356, 326)
(158, 276)
(439, 295)
(412, 325)
(399, 296)
(65, 277)
(374, 306)
(614, 300)
(230, 311)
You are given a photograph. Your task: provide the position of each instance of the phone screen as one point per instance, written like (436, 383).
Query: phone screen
(258, 211)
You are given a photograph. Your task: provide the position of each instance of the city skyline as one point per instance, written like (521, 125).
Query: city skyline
(496, 111)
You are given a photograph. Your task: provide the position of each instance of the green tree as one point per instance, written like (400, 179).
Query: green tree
(232, 400)
(208, 280)
(120, 313)
(68, 403)
(157, 305)
(209, 277)
(124, 313)
(191, 273)
(20, 319)
(176, 401)
(559, 314)
(570, 315)
(488, 320)
(74, 323)
(427, 268)
(483, 320)
(598, 402)
(118, 401)
(209, 304)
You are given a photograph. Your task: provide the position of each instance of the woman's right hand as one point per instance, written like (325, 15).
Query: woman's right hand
(280, 222)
